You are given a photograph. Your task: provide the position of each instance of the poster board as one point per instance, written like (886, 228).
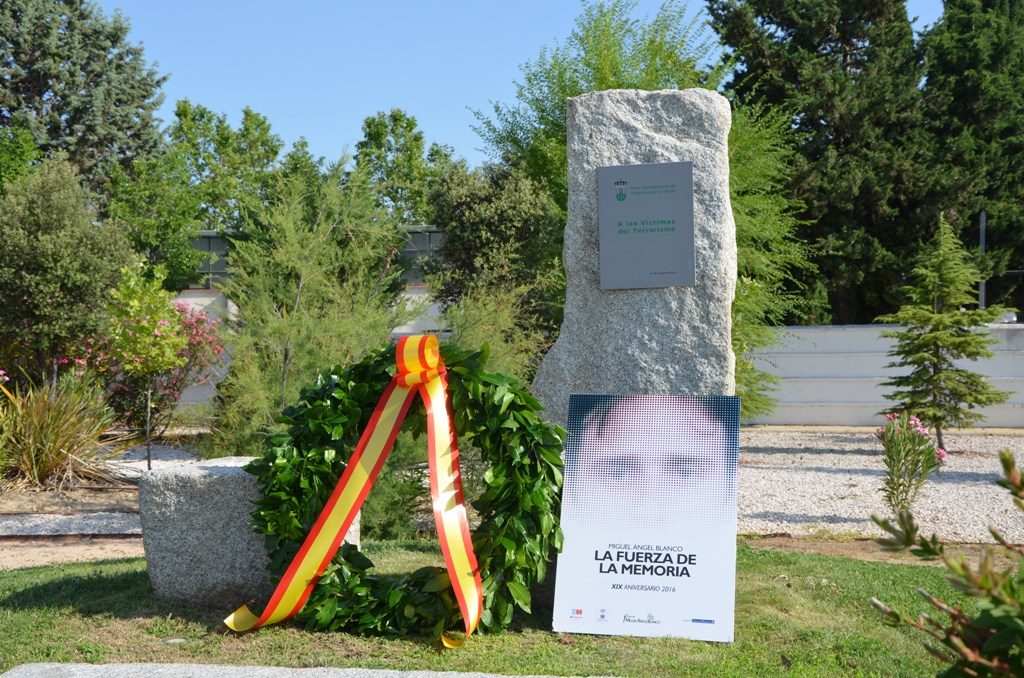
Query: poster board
(645, 225)
(649, 517)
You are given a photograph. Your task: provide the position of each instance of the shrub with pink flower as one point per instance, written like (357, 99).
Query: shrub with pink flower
(910, 457)
(201, 353)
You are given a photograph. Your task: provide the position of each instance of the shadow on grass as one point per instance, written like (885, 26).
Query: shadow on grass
(94, 590)
(542, 603)
(125, 595)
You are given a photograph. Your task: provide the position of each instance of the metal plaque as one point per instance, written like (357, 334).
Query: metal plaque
(645, 220)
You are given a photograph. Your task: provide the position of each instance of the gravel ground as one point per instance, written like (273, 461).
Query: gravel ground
(132, 464)
(792, 481)
(34, 524)
(802, 482)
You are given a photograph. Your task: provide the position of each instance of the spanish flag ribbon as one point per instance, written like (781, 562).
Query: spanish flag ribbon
(420, 371)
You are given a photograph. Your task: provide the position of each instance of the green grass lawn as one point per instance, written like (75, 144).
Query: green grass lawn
(796, 614)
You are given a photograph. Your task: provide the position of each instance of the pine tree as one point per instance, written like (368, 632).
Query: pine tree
(69, 75)
(849, 73)
(974, 94)
(314, 290)
(939, 332)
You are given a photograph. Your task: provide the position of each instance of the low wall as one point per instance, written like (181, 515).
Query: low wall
(833, 375)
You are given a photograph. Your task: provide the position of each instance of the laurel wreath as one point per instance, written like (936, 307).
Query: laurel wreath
(494, 416)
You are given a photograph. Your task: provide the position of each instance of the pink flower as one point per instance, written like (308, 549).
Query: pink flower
(940, 453)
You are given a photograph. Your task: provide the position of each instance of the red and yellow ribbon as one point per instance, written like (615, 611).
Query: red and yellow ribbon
(420, 371)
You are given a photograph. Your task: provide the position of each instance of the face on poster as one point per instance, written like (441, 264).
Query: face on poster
(649, 517)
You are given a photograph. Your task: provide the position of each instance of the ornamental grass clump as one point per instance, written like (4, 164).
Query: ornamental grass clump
(910, 457)
(54, 437)
(988, 641)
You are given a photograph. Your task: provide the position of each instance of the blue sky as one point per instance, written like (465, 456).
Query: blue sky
(317, 68)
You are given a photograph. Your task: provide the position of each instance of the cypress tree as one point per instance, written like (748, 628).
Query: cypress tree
(938, 332)
(849, 73)
(974, 94)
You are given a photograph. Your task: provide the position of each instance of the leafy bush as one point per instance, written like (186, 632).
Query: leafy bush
(316, 287)
(152, 345)
(989, 642)
(58, 264)
(495, 315)
(52, 436)
(145, 331)
(910, 457)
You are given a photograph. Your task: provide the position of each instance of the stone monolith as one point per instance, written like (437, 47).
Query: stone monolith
(656, 340)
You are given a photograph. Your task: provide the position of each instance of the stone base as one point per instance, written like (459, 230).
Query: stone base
(199, 546)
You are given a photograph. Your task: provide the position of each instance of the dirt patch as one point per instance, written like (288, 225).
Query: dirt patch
(18, 553)
(69, 502)
(866, 549)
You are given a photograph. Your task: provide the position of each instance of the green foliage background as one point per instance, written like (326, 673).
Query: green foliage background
(316, 283)
(72, 79)
(974, 104)
(610, 49)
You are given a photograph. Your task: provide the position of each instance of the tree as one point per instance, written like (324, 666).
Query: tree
(849, 74)
(17, 154)
(939, 332)
(160, 211)
(145, 334)
(232, 169)
(57, 266)
(392, 152)
(974, 94)
(311, 292)
(609, 49)
(69, 75)
(500, 226)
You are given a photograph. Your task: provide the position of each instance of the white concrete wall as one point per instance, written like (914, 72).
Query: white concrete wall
(216, 307)
(833, 375)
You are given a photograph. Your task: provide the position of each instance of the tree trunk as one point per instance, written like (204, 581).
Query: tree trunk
(938, 436)
(149, 409)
